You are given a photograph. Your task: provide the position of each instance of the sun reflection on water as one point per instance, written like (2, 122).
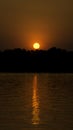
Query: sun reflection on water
(35, 103)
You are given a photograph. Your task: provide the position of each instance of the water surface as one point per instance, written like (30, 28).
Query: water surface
(36, 101)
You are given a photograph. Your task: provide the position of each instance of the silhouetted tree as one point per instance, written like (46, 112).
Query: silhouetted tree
(52, 60)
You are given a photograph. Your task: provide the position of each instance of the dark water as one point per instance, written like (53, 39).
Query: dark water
(36, 101)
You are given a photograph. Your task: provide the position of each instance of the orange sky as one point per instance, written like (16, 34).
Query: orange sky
(24, 22)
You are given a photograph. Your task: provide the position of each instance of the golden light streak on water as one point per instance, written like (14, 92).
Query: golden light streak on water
(35, 103)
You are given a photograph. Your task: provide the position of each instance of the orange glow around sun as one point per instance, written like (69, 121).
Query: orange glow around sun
(36, 45)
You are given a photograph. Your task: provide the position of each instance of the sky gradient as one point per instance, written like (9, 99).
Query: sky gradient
(23, 22)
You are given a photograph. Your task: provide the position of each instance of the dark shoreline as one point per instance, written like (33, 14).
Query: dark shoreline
(54, 60)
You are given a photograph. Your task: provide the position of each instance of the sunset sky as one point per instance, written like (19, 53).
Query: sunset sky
(23, 22)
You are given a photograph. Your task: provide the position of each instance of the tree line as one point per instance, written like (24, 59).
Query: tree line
(53, 60)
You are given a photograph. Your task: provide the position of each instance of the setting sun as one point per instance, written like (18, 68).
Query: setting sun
(36, 45)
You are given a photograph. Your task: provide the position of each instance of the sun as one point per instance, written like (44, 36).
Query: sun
(36, 45)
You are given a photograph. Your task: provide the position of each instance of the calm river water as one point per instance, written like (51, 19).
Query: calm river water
(36, 101)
